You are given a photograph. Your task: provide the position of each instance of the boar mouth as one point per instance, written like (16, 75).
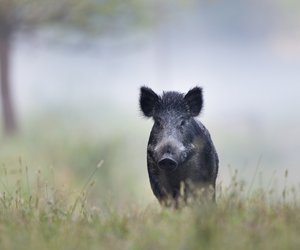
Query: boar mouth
(167, 162)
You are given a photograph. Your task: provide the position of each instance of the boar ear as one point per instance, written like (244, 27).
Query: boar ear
(148, 100)
(194, 100)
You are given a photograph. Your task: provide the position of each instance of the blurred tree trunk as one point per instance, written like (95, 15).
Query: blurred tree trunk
(76, 16)
(9, 120)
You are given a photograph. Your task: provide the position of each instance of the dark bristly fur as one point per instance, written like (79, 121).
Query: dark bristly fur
(180, 151)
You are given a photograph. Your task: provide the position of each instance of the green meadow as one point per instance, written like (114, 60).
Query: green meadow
(80, 187)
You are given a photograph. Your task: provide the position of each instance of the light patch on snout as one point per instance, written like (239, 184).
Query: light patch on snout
(170, 142)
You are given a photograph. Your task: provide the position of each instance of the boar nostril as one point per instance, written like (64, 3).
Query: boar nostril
(167, 163)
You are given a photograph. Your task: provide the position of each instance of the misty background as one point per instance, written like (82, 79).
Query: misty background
(76, 95)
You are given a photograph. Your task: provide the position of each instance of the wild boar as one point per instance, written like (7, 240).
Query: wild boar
(181, 157)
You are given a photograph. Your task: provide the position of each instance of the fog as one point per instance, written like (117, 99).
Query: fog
(246, 56)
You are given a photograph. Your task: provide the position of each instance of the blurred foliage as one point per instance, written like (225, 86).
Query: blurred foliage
(102, 16)
(74, 16)
(90, 15)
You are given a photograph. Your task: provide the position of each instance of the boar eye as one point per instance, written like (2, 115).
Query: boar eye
(182, 123)
(158, 123)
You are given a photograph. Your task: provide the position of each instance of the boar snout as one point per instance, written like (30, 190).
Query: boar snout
(167, 162)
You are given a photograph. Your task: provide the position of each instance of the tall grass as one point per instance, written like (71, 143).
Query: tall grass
(55, 195)
(38, 215)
